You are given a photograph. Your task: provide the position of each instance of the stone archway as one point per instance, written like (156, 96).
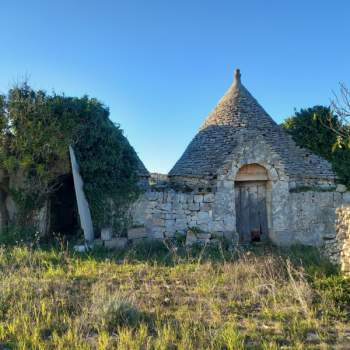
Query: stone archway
(251, 201)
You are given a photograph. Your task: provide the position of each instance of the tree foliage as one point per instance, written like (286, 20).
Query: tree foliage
(312, 128)
(36, 130)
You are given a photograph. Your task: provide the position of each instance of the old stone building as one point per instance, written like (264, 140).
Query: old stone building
(242, 176)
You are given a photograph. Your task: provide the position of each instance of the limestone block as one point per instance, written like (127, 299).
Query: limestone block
(169, 224)
(165, 206)
(169, 234)
(282, 237)
(169, 216)
(81, 248)
(157, 222)
(203, 216)
(217, 226)
(193, 206)
(192, 223)
(229, 223)
(198, 198)
(346, 197)
(337, 197)
(203, 226)
(205, 206)
(341, 188)
(177, 206)
(151, 195)
(106, 233)
(170, 196)
(208, 198)
(327, 214)
(203, 236)
(182, 197)
(228, 184)
(137, 233)
(157, 233)
(116, 243)
(180, 223)
(184, 206)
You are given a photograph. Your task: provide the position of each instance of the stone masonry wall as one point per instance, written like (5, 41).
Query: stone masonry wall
(165, 212)
(338, 247)
(311, 216)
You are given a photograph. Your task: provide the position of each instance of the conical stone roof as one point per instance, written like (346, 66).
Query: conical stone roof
(238, 117)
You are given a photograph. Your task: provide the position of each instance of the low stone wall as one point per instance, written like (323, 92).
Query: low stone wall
(316, 218)
(311, 217)
(338, 247)
(164, 212)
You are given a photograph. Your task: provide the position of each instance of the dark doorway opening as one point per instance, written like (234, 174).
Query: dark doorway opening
(63, 208)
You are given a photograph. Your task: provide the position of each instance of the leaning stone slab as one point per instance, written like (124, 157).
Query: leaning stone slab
(83, 205)
(137, 233)
(116, 243)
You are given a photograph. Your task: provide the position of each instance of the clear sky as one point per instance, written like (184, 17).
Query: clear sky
(161, 66)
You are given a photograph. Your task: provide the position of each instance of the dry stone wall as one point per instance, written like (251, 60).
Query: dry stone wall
(164, 212)
(337, 247)
(317, 218)
(311, 216)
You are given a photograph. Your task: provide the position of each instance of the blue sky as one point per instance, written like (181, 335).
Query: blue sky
(161, 66)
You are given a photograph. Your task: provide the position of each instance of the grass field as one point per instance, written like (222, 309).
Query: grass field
(155, 296)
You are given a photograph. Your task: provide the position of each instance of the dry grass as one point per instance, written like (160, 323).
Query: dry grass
(153, 297)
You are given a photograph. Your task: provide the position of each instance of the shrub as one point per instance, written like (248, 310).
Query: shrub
(35, 131)
(14, 235)
(311, 128)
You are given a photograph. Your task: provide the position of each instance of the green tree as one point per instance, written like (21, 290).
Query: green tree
(312, 128)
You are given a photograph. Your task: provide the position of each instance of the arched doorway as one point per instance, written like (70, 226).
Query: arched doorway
(251, 194)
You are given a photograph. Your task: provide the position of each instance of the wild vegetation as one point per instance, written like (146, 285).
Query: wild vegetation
(165, 296)
(314, 128)
(36, 129)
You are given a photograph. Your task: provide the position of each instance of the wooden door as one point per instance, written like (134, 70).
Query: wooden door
(251, 213)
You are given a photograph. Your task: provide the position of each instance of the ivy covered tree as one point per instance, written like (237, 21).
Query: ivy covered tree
(36, 130)
(312, 128)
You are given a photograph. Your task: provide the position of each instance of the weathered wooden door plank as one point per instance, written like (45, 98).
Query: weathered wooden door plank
(251, 213)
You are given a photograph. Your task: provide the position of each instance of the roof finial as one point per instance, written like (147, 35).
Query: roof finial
(237, 77)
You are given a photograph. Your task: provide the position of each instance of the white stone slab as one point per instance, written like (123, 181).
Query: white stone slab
(83, 205)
